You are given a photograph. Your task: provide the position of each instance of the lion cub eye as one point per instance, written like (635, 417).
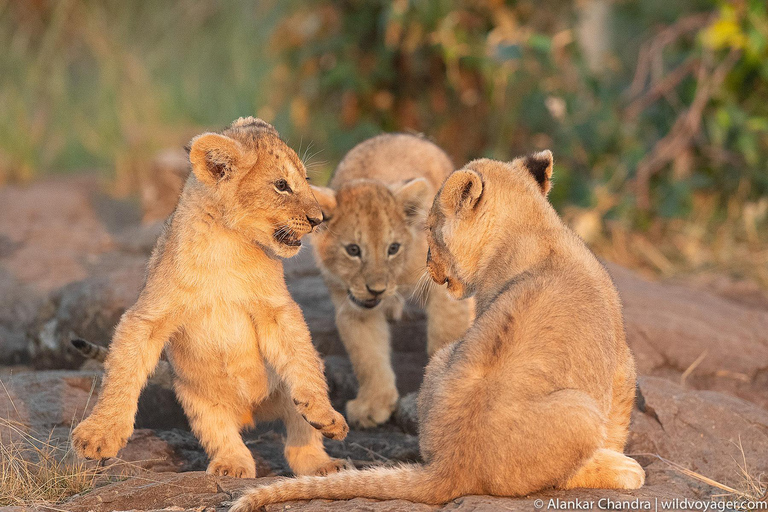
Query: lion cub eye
(353, 250)
(282, 186)
(393, 248)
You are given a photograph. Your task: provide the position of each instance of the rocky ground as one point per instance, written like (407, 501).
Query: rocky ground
(72, 259)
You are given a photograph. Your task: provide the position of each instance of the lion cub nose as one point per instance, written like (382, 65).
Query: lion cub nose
(374, 292)
(314, 221)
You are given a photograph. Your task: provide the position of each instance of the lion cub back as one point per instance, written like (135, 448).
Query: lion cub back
(393, 157)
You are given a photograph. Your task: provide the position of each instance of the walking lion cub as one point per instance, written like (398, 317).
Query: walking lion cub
(371, 251)
(539, 391)
(215, 298)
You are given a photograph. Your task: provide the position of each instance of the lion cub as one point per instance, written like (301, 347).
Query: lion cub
(216, 299)
(371, 251)
(539, 391)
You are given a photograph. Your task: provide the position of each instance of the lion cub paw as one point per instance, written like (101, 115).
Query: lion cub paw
(336, 428)
(608, 469)
(331, 466)
(629, 474)
(93, 439)
(235, 466)
(367, 413)
(325, 419)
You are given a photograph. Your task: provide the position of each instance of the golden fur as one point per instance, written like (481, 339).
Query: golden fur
(539, 391)
(377, 198)
(161, 376)
(216, 299)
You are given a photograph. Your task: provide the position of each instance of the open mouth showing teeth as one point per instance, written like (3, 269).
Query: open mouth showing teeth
(368, 304)
(286, 239)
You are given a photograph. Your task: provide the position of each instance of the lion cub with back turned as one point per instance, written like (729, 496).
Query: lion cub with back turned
(216, 299)
(539, 391)
(371, 251)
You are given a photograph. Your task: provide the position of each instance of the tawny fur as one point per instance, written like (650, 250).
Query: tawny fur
(161, 376)
(538, 394)
(378, 196)
(215, 299)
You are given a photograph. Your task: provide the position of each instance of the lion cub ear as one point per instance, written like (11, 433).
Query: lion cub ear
(326, 198)
(214, 157)
(540, 166)
(413, 195)
(461, 192)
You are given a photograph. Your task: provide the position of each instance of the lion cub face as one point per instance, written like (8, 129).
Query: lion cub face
(480, 208)
(258, 185)
(366, 241)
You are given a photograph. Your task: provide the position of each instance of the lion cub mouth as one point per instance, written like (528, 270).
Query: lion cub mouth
(368, 304)
(286, 238)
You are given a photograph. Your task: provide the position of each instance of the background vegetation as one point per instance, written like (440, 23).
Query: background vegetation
(656, 110)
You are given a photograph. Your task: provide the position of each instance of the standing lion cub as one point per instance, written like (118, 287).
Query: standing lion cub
(216, 299)
(539, 391)
(371, 251)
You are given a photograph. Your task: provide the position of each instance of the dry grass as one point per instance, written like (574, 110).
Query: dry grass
(36, 470)
(750, 487)
(735, 245)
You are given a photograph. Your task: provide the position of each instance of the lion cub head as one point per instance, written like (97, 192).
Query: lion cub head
(487, 219)
(370, 231)
(257, 184)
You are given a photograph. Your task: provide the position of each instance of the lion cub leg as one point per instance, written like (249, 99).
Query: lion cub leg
(608, 469)
(217, 425)
(138, 342)
(304, 448)
(447, 318)
(366, 337)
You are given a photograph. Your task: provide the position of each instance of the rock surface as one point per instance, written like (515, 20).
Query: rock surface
(72, 260)
(707, 432)
(672, 328)
(200, 492)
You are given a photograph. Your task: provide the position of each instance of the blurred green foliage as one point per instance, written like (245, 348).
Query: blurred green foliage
(500, 79)
(656, 111)
(94, 83)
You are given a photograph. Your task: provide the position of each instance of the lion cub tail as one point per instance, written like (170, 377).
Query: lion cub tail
(90, 350)
(412, 482)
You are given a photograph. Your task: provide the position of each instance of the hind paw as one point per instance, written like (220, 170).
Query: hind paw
(630, 474)
(608, 469)
(331, 467)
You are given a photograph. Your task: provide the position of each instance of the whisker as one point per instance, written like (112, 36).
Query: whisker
(304, 155)
(422, 288)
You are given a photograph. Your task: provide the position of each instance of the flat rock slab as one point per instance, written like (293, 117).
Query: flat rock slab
(48, 399)
(672, 328)
(708, 432)
(198, 491)
(153, 491)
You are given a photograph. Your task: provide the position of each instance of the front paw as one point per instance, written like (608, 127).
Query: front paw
(97, 439)
(369, 412)
(329, 422)
(235, 466)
